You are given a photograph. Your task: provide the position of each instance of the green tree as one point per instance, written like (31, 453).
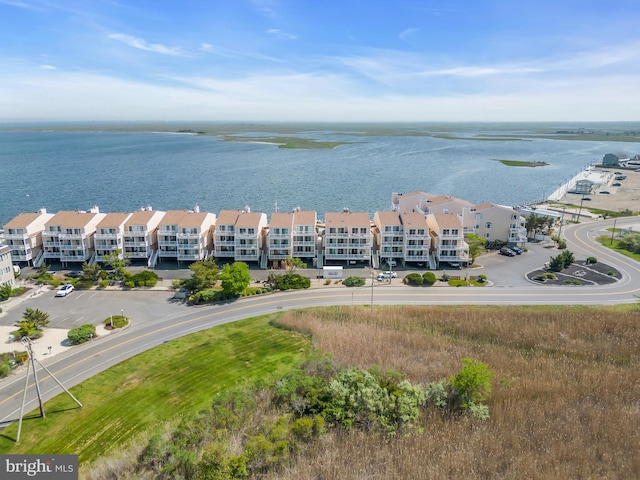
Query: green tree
(118, 265)
(5, 291)
(90, 273)
(473, 383)
(39, 318)
(205, 274)
(293, 263)
(476, 245)
(235, 278)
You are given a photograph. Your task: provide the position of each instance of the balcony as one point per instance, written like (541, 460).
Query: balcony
(416, 258)
(134, 244)
(16, 236)
(280, 235)
(52, 243)
(249, 258)
(146, 254)
(167, 243)
(21, 257)
(73, 258)
(304, 243)
(188, 235)
(189, 256)
(72, 236)
(51, 254)
(278, 256)
(108, 236)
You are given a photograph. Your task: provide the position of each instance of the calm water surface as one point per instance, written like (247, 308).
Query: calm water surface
(125, 171)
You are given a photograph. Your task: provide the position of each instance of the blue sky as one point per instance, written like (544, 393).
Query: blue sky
(347, 60)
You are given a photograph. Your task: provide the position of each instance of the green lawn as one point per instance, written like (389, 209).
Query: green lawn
(155, 387)
(615, 245)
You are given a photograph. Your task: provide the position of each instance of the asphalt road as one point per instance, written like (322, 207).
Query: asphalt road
(157, 319)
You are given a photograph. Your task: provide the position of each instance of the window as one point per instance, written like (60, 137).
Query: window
(487, 225)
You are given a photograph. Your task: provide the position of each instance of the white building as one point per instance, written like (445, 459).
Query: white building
(185, 235)
(109, 236)
(68, 236)
(23, 235)
(348, 237)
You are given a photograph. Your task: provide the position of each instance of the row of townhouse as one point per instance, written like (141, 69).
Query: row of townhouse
(421, 228)
(488, 220)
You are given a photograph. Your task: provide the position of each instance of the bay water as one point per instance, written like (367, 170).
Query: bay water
(124, 171)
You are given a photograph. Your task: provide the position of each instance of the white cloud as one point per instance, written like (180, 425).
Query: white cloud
(406, 35)
(144, 45)
(479, 71)
(26, 6)
(291, 97)
(280, 34)
(47, 67)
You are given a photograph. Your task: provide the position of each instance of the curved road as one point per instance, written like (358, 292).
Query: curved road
(80, 363)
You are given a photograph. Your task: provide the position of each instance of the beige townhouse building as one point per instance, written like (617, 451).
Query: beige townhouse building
(7, 275)
(109, 236)
(23, 235)
(141, 235)
(68, 236)
(449, 244)
(495, 222)
(348, 237)
(185, 235)
(293, 234)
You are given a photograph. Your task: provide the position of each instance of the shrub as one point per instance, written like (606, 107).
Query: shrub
(591, 260)
(573, 281)
(84, 284)
(429, 278)
(118, 321)
(327, 281)
(445, 277)
(103, 283)
(289, 281)
(611, 272)
(5, 369)
(482, 278)
(145, 278)
(473, 383)
(353, 281)
(458, 283)
(81, 334)
(413, 279)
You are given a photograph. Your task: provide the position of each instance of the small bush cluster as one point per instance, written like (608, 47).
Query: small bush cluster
(353, 281)
(145, 278)
(545, 276)
(9, 361)
(252, 432)
(116, 321)
(573, 281)
(591, 260)
(256, 291)
(427, 279)
(81, 334)
(289, 281)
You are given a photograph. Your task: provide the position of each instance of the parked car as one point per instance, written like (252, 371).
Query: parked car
(586, 199)
(516, 249)
(507, 252)
(390, 261)
(454, 264)
(617, 184)
(604, 192)
(387, 274)
(64, 291)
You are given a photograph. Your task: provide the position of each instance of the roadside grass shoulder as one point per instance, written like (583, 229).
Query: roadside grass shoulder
(605, 240)
(157, 387)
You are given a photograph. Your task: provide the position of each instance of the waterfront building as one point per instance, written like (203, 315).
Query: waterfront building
(23, 235)
(280, 238)
(141, 235)
(250, 228)
(348, 237)
(305, 235)
(495, 222)
(185, 235)
(224, 235)
(449, 244)
(389, 236)
(68, 236)
(7, 275)
(292, 234)
(109, 236)
(427, 203)
(419, 241)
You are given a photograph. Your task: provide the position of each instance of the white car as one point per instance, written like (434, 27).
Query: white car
(64, 291)
(387, 274)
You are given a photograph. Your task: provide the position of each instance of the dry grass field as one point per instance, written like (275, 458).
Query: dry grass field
(565, 402)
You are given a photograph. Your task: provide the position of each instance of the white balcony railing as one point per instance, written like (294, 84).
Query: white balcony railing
(71, 236)
(108, 236)
(246, 257)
